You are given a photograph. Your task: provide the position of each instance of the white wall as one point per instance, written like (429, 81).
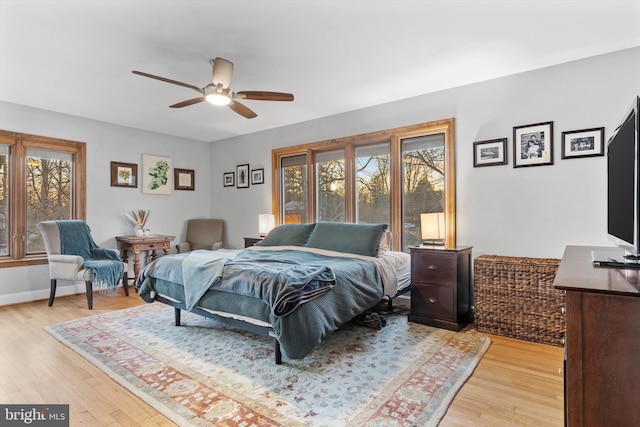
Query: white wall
(532, 211)
(105, 204)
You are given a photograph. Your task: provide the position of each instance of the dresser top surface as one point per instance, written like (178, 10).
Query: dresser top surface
(576, 273)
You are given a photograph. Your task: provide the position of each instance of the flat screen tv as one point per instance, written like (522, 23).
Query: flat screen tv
(623, 184)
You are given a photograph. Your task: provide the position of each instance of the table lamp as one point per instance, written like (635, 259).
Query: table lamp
(432, 228)
(265, 223)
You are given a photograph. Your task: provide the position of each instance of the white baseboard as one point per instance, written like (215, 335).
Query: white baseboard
(43, 294)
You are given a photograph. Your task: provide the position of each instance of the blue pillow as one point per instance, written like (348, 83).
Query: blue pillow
(360, 239)
(288, 235)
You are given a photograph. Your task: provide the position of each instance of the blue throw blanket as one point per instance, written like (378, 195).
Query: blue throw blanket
(104, 265)
(283, 285)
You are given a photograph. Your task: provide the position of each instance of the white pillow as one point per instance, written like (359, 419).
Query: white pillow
(385, 243)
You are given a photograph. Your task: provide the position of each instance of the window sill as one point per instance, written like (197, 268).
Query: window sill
(32, 260)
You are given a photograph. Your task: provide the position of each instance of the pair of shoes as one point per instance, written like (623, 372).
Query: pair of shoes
(371, 320)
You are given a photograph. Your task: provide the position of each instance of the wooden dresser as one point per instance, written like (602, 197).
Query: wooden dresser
(602, 350)
(441, 286)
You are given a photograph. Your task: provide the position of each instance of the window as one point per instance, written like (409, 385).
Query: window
(294, 189)
(373, 184)
(330, 182)
(422, 182)
(392, 176)
(40, 179)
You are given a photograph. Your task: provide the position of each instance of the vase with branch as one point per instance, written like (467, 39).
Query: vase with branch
(139, 219)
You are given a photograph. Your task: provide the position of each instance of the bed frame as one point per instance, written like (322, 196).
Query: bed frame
(266, 331)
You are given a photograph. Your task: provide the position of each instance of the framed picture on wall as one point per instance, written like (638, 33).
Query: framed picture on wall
(490, 153)
(257, 176)
(185, 179)
(124, 175)
(157, 175)
(228, 179)
(533, 145)
(242, 176)
(583, 143)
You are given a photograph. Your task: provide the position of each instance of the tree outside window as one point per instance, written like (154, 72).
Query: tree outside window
(40, 179)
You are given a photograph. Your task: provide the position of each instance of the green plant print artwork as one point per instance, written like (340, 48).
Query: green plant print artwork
(158, 174)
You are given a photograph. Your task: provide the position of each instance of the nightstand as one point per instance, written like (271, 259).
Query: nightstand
(250, 241)
(441, 293)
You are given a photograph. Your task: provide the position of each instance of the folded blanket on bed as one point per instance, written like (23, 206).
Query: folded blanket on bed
(281, 285)
(199, 273)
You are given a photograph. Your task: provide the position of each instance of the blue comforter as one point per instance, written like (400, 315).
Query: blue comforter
(356, 286)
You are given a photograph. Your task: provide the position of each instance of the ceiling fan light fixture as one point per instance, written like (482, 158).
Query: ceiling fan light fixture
(218, 99)
(217, 96)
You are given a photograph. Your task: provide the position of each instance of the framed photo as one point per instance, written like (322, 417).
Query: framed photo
(229, 179)
(490, 153)
(583, 143)
(242, 176)
(157, 175)
(257, 176)
(184, 179)
(533, 145)
(124, 175)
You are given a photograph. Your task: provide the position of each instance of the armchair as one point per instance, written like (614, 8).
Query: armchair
(74, 256)
(205, 233)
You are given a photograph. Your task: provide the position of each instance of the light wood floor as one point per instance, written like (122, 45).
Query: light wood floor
(517, 383)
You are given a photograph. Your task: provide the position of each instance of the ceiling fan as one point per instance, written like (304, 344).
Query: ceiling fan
(218, 91)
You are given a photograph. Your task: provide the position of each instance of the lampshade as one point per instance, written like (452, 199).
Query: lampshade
(265, 223)
(432, 226)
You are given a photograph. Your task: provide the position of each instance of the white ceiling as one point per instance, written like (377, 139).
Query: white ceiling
(76, 57)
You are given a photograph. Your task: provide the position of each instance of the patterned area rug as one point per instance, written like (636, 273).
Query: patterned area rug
(405, 374)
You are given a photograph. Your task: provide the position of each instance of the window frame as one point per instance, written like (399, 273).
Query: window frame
(17, 208)
(392, 136)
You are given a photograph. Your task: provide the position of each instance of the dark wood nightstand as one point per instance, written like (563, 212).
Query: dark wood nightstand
(250, 241)
(441, 292)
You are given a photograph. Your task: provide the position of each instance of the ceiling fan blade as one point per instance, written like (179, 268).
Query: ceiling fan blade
(162, 79)
(243, 110)
(264, 96)
(187, 102)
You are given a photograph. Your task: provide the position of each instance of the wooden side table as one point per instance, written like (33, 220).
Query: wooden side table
(147, 244)
(250, 241)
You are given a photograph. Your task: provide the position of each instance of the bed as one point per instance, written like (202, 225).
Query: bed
(302, 282)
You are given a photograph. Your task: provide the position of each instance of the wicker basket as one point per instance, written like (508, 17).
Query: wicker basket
(514, 297)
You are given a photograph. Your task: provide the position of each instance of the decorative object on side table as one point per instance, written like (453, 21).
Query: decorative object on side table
(139, 219)
(441, 292)
(533, 145)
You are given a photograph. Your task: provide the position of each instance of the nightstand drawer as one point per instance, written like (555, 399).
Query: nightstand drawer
(434, 268)
(432, 301)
